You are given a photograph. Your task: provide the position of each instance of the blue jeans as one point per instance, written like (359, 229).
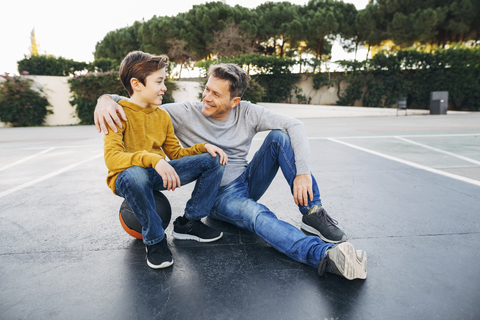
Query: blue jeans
(136, 185)
(237, 204)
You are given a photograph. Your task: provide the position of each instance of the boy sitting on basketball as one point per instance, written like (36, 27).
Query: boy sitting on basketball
(136, 160)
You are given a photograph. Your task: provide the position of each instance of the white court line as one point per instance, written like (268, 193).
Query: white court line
(439, 150)
(48, 176)
(412, 164)
(58, 147)
(26, 159)
(405, 136)
(380, 137)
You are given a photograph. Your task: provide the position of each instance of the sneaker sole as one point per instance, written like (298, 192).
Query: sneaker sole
(160, 266)
(309, 229)
(183, 236)
(347, 262)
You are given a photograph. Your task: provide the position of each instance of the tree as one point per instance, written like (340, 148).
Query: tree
(117, 44)
(178, 54)
(428, 22)
(231, 42)
(155, 34)
(319, 25)
(278, 26)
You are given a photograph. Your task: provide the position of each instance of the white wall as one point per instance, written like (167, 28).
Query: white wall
(58, 94)
(322, 101)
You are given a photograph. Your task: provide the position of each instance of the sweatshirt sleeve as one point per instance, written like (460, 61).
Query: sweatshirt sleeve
(116, 157)
(174, 150)
(117, 98)
(264, 119)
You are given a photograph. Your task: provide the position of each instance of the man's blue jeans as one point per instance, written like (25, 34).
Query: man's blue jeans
(237, 204)
(136, 185)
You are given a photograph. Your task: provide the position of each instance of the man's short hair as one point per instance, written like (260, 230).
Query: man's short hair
(140, 65)
(236, 76)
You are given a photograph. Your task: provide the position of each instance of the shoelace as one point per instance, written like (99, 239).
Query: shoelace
(322, 213)
(161, 246)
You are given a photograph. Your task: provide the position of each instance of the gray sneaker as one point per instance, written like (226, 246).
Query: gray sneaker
(345, 261)
(318, 222)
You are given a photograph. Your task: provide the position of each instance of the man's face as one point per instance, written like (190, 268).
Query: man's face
(216, 99)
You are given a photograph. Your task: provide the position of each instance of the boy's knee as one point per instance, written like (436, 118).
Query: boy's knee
(136, 175)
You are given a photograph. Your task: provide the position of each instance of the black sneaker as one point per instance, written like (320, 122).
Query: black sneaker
(194, 230)
(318, 222)
(158, 255)
(345, 261)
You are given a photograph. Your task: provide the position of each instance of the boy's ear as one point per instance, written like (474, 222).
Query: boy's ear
(135, 84)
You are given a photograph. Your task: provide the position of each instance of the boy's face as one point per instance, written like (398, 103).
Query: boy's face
(216, 99)
(153, 90)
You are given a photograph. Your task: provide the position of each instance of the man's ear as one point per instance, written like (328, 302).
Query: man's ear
(235, 102)
(135, 84)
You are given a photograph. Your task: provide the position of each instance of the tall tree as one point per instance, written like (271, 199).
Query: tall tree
(278, 26)
(231, 42)
(320, 24)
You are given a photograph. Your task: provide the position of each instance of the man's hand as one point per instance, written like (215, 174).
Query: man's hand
(213, 150)
(106, 111)
(170, 178)
(302, 187)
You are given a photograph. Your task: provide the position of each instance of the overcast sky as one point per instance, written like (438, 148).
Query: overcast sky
(71, 29)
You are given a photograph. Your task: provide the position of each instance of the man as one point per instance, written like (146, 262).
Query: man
(229, 123)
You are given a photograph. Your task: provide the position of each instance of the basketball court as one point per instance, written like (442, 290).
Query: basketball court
(404, 189)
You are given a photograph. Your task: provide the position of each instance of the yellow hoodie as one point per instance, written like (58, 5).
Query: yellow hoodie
(145, 138)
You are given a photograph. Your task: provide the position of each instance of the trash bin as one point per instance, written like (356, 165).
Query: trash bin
(402, 104)
(438, 102)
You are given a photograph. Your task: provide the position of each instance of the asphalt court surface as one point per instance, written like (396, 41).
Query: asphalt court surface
(405, 189)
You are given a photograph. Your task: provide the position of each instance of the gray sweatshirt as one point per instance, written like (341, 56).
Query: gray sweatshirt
(235, 134)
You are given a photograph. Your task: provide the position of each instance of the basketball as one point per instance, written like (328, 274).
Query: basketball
(130, 223)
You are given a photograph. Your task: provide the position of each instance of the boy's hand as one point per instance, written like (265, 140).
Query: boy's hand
(302, 188)
(213, 150)
(106, 111)
(170, 178)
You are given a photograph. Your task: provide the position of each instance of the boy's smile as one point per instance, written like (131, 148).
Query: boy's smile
(150, 93)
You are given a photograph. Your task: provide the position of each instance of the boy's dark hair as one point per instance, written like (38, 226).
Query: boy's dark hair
(236, 76)
(139, 65)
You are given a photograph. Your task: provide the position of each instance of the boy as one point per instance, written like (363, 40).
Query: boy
(136, 160)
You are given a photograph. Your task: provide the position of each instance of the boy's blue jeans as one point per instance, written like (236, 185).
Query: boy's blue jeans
(237, 204)
(136, 185)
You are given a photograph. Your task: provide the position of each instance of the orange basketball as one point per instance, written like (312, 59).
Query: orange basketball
(131, 224)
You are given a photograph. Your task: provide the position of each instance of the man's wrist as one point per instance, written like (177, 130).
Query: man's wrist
(104, 95)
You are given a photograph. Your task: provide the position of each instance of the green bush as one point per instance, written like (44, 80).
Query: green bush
(87, 88)
(414, 74)
(50, 66)
(103, 65)
(254, 92)
(20, 104)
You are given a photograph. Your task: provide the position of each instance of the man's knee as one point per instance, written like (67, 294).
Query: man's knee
(278, 136)
(213, 162)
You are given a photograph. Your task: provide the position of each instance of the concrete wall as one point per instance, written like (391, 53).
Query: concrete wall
(58, 93)
(322, 101)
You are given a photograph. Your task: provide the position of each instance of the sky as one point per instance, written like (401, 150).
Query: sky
(71, 29)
